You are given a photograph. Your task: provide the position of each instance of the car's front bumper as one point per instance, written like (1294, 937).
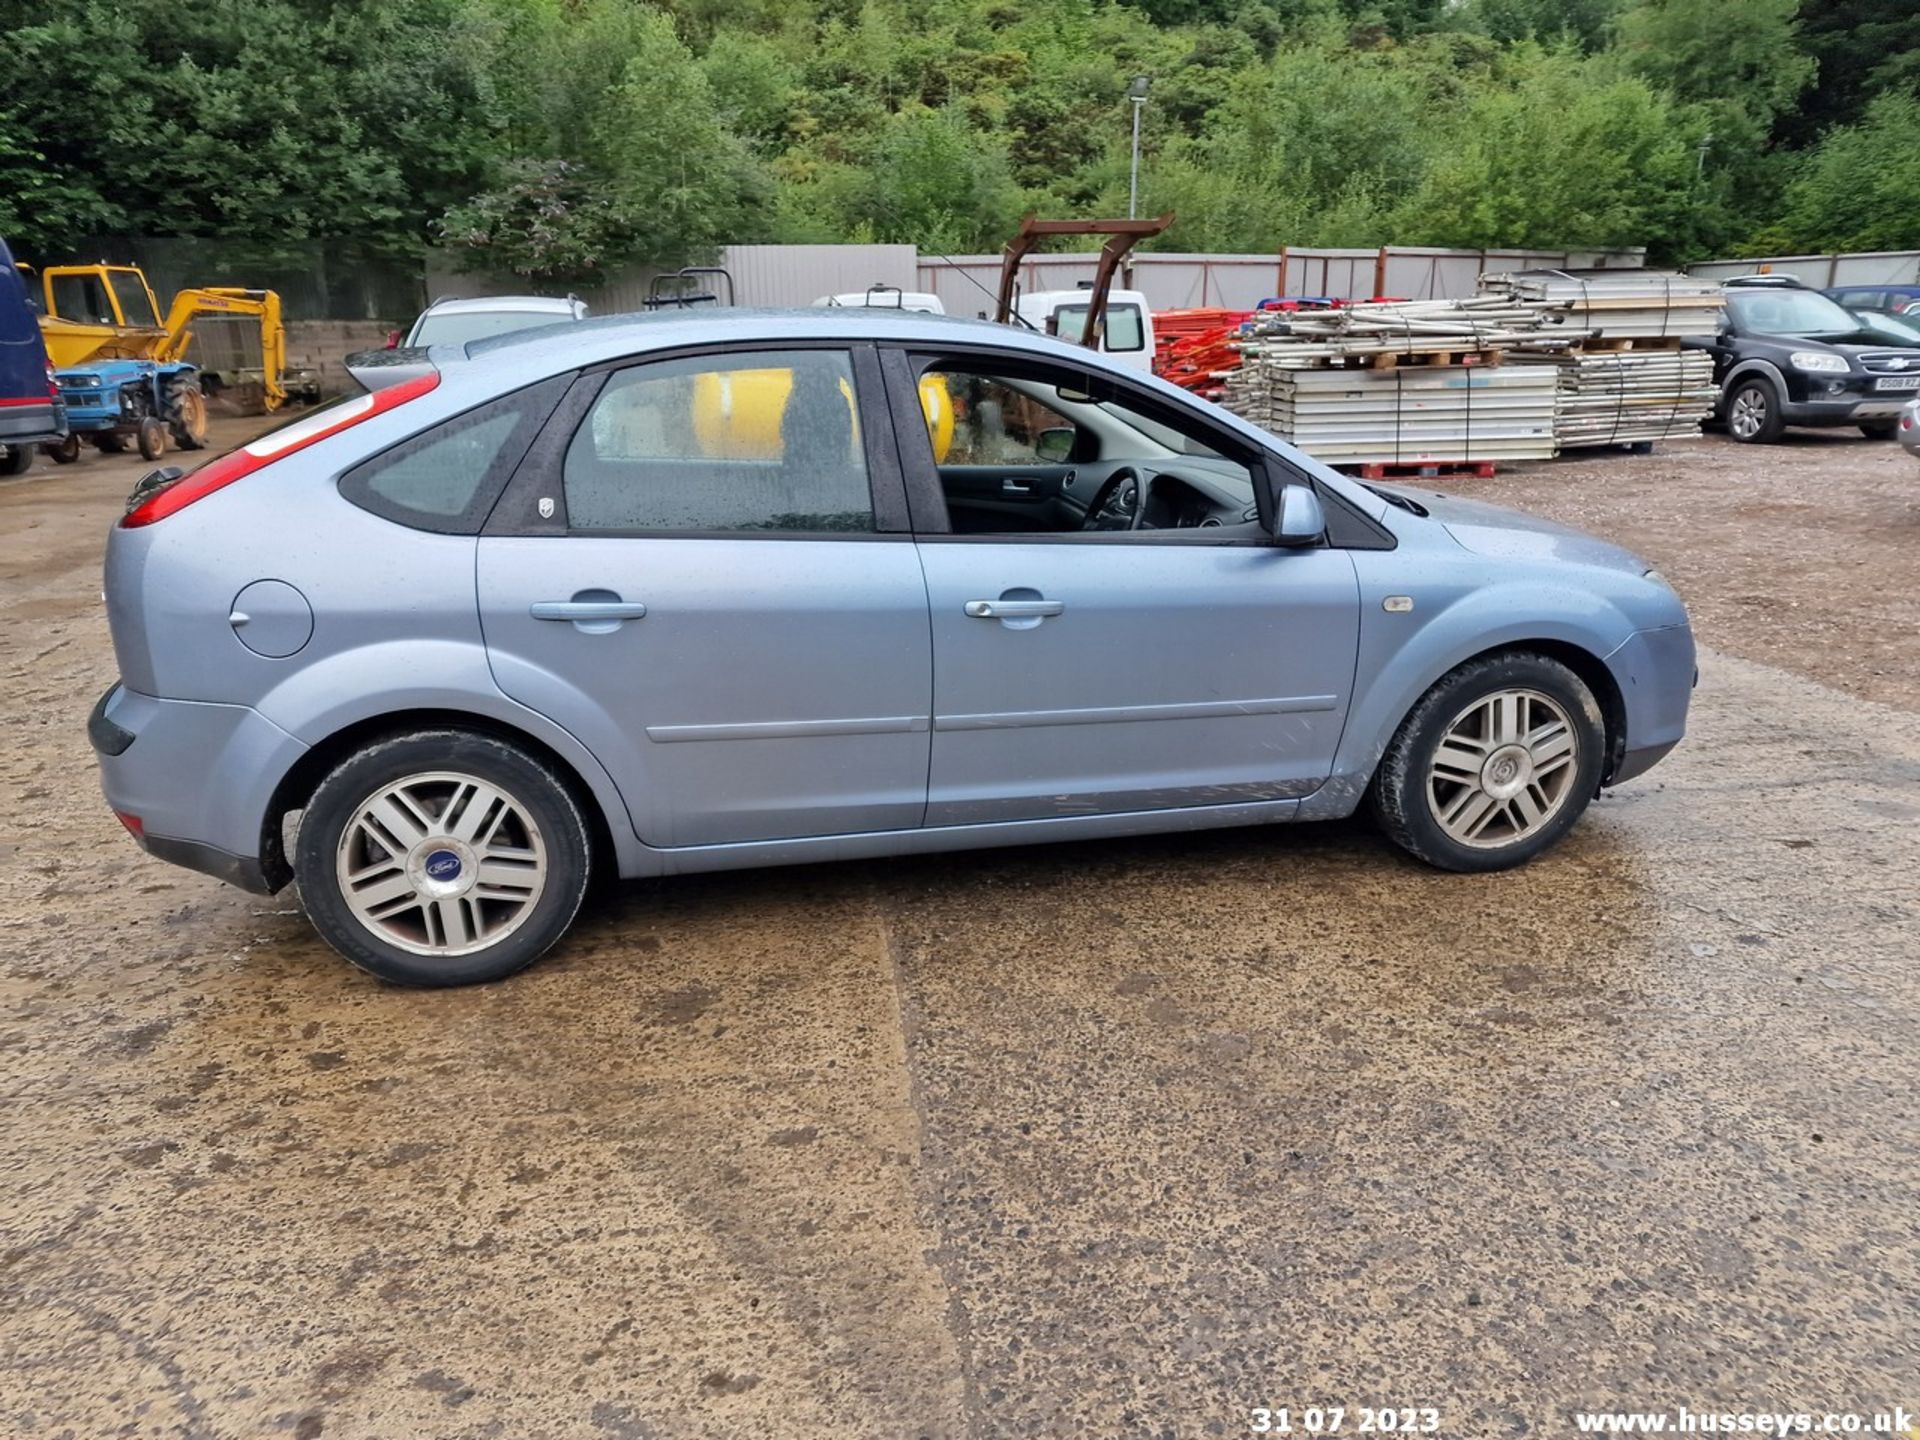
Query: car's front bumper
(1656, 671)
(194, 781)
(1849, 406)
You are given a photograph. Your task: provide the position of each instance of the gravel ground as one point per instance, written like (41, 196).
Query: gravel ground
(1111, 1139)
(1802, 555)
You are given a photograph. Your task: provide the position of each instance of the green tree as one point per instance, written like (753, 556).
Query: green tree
(1859, 190)
(1564, 152)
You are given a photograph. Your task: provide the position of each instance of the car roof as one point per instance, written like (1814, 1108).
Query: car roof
(499, 304)
(612, 337)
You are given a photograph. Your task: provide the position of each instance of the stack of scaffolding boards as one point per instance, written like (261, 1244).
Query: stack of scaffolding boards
(1618, 307)
(1415, 383)
(1627, 397)
(1405, 415)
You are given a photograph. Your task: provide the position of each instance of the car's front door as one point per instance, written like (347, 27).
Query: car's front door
(702, 571)
(1083, 670)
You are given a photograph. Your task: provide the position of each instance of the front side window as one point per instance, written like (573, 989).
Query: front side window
(1038, 451)
(83, 299)
(765, 440)
(990, 420)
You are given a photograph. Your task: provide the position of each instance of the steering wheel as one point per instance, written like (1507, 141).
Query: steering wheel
(1108, 489)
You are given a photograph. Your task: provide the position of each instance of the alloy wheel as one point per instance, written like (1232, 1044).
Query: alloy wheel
(1503, 769)
(1749, 414)
(441, 864)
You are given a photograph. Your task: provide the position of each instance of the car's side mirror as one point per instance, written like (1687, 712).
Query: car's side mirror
(1297, 516)
(1055, 444)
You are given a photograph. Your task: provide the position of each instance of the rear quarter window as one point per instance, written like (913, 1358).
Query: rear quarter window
(446, 479)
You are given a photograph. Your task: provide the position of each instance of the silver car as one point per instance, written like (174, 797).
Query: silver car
(1908, 429)
(457, 323)
(700, 591)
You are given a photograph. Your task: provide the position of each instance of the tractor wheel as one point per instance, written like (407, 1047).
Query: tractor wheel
(63, 452)
(187, 412)
(109, 442)
(152, 436)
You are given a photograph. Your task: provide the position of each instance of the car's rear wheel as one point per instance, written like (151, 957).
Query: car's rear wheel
(1753, 412)
(15, 459)
(1493, 765)
(442, 857)
(1880, 429)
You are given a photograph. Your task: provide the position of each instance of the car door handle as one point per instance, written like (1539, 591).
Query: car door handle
(578, 610)
(1016, 487)
(1013, 609)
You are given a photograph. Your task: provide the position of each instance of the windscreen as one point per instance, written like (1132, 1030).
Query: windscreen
(462, 326)
(1790, 312)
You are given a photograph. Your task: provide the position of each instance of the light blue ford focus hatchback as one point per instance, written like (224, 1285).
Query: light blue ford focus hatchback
(686, 592)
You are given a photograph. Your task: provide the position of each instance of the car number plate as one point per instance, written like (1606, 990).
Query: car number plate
(1897, 382)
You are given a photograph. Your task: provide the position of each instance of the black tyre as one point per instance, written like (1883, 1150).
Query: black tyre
(1753, 411)
(1493, 765)
(16, 459)
(1880, 429)
(109, 442)
(63, 452)
(442, 857)
(187, 412)
(151, 437)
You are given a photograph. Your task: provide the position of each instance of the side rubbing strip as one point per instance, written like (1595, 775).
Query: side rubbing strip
(788, 729)
(1122, 714)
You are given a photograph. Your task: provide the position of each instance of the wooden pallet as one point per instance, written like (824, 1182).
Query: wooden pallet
(1601, 345)
(1420, 469)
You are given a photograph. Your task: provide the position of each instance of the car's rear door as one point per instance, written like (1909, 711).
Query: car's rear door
(702, 570)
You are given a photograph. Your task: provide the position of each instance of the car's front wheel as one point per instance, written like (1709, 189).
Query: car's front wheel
(1753, 412)
(1493, 765)
(442, 857)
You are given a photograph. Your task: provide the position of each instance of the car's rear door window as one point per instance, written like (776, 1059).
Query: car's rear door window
(447, 478)
(766, 440)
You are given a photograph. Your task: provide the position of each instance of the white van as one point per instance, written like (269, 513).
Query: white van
(1129, 321)
(885, 297)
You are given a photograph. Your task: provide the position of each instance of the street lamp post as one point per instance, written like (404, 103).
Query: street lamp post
(1137, 93)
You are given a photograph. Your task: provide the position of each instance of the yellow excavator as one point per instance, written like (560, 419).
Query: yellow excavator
(122, 370)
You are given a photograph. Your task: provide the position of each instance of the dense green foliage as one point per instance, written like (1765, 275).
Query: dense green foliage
(556, 138)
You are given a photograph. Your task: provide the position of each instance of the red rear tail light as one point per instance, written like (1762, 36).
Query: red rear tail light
(53, 384)
(136, 827)
(275, 445)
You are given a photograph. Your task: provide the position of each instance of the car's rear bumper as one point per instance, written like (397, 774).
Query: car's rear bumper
(31, 422)
(194, 782)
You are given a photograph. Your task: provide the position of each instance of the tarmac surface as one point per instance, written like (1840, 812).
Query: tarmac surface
(1118, 1139)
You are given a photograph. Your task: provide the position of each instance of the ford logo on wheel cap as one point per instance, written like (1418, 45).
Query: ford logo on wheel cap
(443, 865)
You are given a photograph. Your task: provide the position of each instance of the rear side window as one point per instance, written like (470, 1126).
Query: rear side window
(763, 440)
(447, 478)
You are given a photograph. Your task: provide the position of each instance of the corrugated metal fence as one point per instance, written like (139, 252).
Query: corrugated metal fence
(330, 281)
(966, 283)
(762, 275)
(1878, 267)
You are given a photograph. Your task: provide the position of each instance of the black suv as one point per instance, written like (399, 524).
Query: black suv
(1787, 355)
